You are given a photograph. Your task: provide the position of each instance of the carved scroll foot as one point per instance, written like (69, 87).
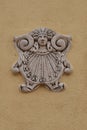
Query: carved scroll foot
(29, 87)
(25, 88)
(56, 86)
(68, 70)
(15, 68)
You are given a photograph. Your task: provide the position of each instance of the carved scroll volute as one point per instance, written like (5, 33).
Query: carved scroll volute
(24, 42)
(61, 43)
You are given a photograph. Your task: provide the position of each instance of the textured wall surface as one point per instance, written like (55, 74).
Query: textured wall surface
(42, 109)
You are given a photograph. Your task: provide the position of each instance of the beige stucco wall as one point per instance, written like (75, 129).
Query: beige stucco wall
(42, 109)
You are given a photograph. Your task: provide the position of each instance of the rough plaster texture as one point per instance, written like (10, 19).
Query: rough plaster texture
(43, 109)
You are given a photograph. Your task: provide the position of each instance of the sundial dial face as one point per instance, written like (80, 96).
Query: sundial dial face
(42, 58)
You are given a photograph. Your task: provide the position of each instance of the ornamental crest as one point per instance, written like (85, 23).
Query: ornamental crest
(42, 59)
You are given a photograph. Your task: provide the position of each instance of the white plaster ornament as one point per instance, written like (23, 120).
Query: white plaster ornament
(42, 59)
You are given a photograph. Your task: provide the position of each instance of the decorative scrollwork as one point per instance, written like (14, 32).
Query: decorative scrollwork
(24, 42)
(60, 42)
(42, 58)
